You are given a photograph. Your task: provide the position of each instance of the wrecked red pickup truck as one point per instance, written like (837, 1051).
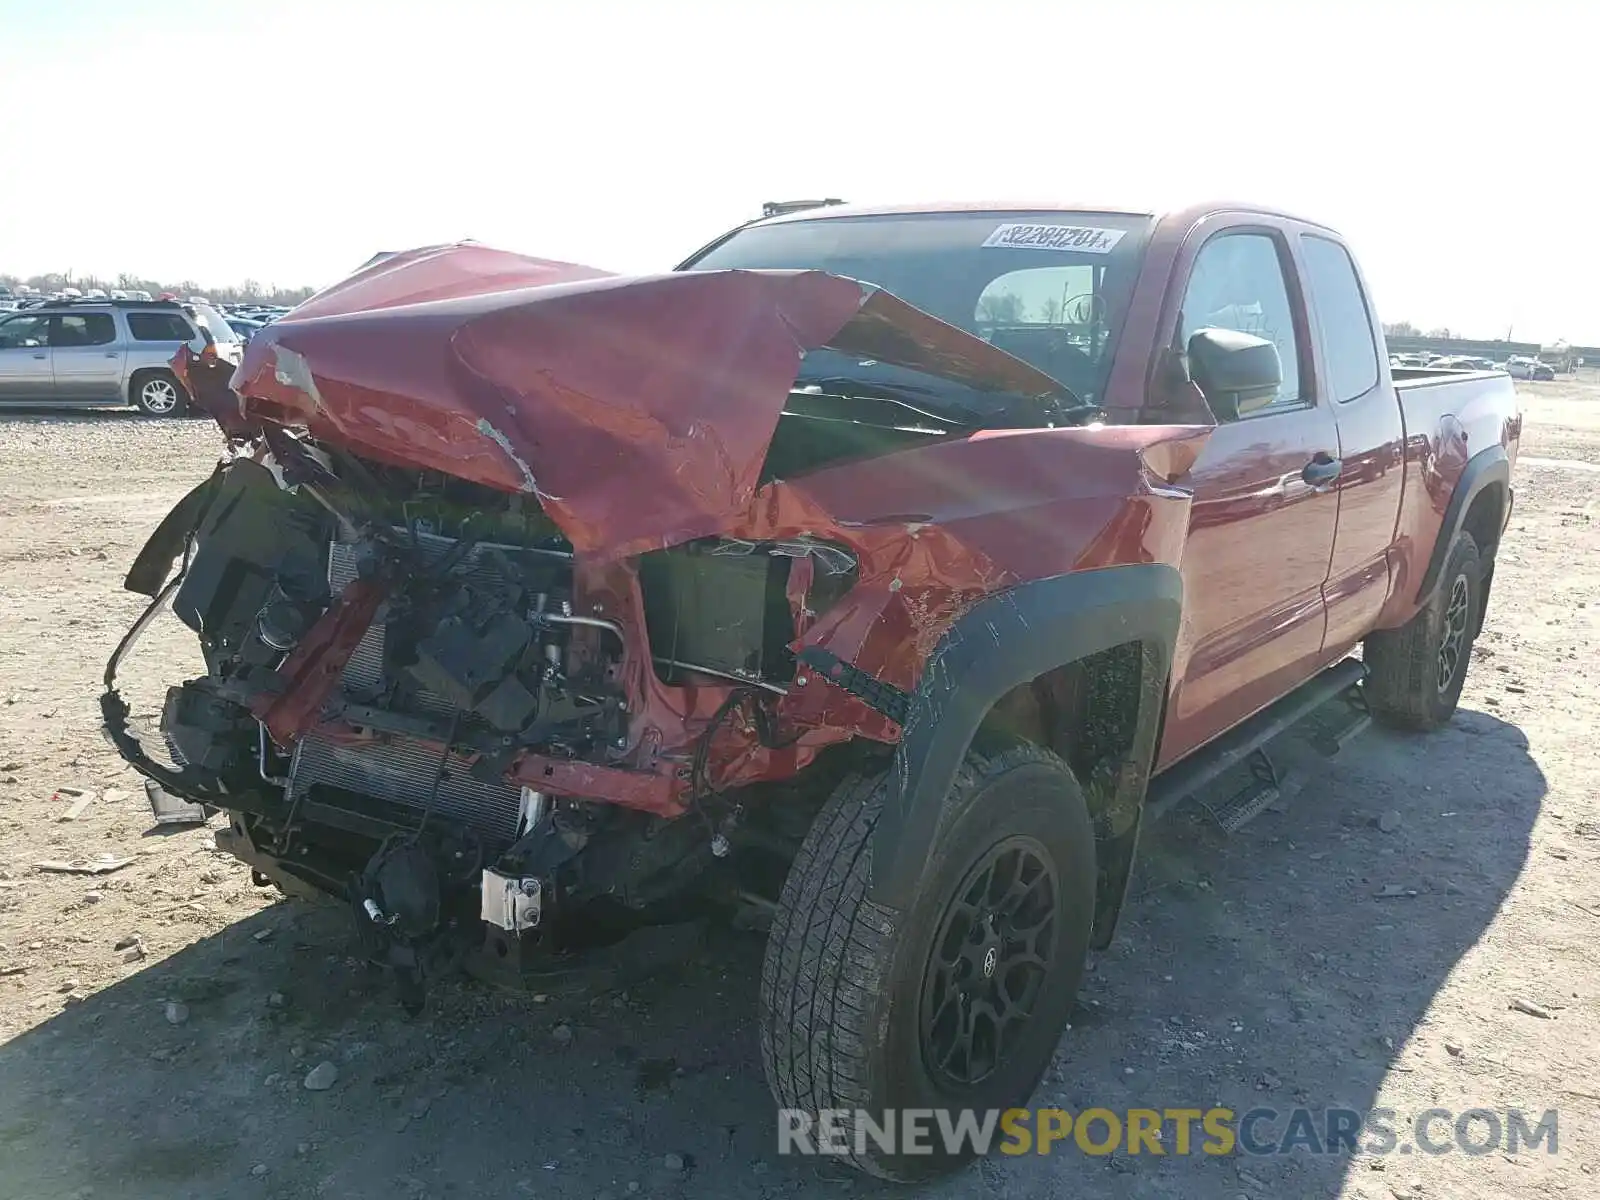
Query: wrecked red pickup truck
(880, 572)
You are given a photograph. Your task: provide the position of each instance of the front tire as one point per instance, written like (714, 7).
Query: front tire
(159, 394)
(1416, 672)
(959, 1001)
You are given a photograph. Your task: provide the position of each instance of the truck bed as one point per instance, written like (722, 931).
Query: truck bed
(1476, 400)
(1448, 418)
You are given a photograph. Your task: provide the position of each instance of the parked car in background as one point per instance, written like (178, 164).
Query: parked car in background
(107, 353)
(244, 326)
(1464, 362)
(1530, 369)
(1417, 358)
(264, 313)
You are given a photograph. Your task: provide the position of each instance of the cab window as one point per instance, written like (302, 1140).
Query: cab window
(1237, 282)
(1342, 315)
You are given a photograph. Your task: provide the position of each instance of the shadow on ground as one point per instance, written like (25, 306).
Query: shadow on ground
(1284, 965)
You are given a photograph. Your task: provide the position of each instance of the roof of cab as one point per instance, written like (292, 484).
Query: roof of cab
(1184, 213)
(830, 211)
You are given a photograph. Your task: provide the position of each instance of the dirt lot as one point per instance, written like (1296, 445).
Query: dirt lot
(1359, 948)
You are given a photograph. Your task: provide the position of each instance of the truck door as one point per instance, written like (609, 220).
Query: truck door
(1263, 518)
(1371, 440)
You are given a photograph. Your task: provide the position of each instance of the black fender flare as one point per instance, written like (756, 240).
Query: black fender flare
(1006, 640)
(154, 562)
(1484, 469)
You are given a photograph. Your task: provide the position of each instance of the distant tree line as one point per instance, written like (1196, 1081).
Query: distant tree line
(1407, 329)
(248, 290)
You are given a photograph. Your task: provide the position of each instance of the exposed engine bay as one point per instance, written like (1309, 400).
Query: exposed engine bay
(475, 667)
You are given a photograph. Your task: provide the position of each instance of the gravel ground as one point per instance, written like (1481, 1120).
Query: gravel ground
(1362, 946)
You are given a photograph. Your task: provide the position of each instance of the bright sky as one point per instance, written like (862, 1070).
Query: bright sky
(1451, 143)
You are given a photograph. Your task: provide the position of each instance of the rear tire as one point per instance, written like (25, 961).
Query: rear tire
(1416, 672)
(957, 1002)
(159, 394)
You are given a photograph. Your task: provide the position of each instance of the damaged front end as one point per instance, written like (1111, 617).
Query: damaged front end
(416, 698)
(528, 595)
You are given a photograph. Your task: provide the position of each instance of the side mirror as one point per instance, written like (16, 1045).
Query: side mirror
(1238, 372)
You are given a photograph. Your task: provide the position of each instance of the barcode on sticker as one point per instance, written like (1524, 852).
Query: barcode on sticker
(1085, 239)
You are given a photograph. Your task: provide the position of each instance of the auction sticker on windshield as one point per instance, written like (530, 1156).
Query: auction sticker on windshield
(1083, 238)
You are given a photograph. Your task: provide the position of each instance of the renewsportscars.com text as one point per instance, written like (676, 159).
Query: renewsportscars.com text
(1175, 1131)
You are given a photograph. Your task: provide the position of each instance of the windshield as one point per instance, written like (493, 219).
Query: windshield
(214, 322)
(1051, 288)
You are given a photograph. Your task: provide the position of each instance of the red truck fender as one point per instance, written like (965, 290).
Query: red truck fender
(1007, 641)
(1480, 503)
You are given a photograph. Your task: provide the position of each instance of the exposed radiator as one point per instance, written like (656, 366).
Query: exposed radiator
(402, 770)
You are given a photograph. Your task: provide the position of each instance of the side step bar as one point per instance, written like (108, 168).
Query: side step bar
(1187, 776)
(1267, 786)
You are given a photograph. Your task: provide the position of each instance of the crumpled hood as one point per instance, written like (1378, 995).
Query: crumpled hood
(638, 409)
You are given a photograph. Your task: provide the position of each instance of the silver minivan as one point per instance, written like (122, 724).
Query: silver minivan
(107, 352)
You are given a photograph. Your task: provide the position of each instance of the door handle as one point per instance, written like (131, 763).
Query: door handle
(113, 354)
(41, 356)
(1321, 471)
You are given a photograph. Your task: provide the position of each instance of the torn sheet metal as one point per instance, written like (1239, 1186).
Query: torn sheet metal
(638, 410)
